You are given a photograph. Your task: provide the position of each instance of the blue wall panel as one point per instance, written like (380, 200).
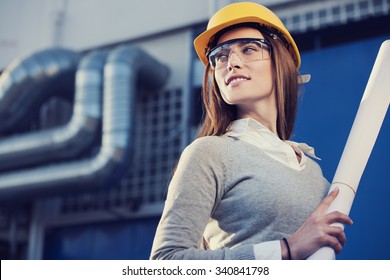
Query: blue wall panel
(327, 110)
(123, 240)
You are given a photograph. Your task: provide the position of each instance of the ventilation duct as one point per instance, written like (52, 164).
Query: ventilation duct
(79, 133)
(126, 67)
(29, 81)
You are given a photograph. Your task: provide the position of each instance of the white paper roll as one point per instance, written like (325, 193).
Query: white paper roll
(361, 139)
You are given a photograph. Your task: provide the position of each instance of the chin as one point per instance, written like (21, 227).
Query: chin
(230, 101)
(240, 100)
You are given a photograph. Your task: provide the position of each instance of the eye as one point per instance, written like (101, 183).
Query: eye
(250, 48)
(221, 56)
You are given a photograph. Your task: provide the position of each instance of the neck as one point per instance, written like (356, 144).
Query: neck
(267, 121)
(263, 112)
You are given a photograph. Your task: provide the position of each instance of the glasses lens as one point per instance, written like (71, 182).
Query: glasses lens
(248, 50)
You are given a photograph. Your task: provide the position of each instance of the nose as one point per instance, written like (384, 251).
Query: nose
(234, 61)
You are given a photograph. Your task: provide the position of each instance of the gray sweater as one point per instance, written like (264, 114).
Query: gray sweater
(234, 196)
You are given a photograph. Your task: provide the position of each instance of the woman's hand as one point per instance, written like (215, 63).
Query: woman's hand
(317, 231)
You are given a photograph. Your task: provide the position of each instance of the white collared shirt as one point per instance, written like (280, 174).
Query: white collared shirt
(253, 132)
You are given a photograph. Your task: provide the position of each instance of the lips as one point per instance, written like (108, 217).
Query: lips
(235, 78)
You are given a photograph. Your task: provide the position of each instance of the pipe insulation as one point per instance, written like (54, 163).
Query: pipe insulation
(69, 140)
(125, 68)
(31, 80)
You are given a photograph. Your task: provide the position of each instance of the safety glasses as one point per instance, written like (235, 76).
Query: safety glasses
(247, 49)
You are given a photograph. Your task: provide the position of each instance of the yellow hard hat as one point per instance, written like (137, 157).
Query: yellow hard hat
(240, 13)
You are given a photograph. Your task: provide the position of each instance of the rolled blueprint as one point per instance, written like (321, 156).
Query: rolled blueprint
(361, 139)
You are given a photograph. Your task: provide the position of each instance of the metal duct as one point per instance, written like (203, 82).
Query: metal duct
(71, 139)
(125, 68)
(29, 81)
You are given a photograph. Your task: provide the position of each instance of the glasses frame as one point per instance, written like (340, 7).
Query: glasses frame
(261, 40)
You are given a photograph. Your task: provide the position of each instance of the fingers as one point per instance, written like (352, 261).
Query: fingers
(335, 231)
(338, 217)
(335, 238)
(335, 216)
(325, 203)
(334, 243)
(338, 233)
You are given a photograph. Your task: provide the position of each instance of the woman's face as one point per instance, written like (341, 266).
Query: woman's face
(245, 84)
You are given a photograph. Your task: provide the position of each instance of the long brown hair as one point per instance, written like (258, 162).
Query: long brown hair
(218, 114)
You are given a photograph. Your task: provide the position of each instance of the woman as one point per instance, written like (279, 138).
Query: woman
(242, 190)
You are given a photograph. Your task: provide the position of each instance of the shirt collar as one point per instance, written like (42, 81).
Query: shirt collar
(241, 126)
(303, 147)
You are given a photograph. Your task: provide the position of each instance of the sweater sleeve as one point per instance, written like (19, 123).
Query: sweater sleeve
(194, 191)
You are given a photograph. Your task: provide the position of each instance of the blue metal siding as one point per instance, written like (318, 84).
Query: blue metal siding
(124, 240)
(328, 108)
